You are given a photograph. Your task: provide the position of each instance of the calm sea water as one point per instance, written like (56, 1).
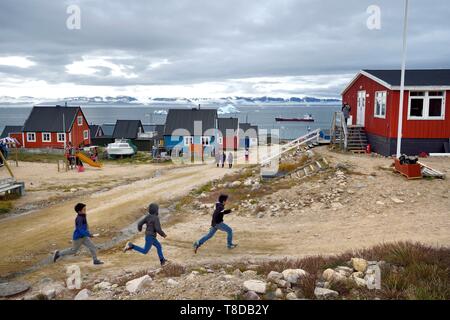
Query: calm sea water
(263, 116)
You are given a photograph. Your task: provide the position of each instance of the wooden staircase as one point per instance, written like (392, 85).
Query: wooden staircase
(348, 138)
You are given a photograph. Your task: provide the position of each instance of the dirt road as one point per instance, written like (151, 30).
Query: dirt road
(28, 238)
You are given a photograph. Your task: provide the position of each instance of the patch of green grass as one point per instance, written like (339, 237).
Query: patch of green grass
(5, 206)
(139, 158)
(39, 157)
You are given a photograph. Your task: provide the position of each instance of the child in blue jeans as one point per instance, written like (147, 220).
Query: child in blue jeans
(218, 224)
(153, 226)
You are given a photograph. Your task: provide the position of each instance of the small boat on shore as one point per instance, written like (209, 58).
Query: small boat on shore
(306, 118)
(120, 148)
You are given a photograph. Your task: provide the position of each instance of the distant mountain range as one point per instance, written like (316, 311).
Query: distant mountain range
(123, 100)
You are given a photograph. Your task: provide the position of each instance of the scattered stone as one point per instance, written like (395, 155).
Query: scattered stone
(238, 273)
(236, 183)
(251, 295)
(322, 293)
(49, 293)
(250, 273)
(172, 283)
(360, 282)
(274, 276)
(138, 284)
(346, 271)
(359, 264)
(8, 289)
(397, 200)
(279, 293)
(84, 294)
(257, 286)
(291, 296)
(103, 286)
(293, 275)
(330, 275)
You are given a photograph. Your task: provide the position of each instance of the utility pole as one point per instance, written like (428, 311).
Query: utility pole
(402, 82)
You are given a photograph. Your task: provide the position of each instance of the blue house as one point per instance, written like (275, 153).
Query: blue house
(191, 132)
(248, 135)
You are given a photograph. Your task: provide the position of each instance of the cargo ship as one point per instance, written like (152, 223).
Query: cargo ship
(306, 118)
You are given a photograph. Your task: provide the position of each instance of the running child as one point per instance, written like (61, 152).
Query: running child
(218, 224)
(81, 236)
(153, 227)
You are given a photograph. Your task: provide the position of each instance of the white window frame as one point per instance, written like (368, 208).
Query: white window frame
(426, 105)
(80, 120)
(220, 140)
(381, 116)
(49, 135)
(85, 134)
(57, 137)
(207, 139)
(188, 140)
(28, 137)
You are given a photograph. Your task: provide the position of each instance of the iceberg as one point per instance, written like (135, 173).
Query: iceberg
(229, 108)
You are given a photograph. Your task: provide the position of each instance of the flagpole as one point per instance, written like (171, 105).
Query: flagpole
(402, 82)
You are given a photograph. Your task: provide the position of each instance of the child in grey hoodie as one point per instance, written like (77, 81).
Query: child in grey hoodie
(153, 227)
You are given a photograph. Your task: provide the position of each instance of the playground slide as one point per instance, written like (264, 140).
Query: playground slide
(88, 160)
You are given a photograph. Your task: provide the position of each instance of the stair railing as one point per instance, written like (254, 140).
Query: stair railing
(339, 122)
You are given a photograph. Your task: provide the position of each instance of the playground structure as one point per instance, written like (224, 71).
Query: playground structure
(64, 165)
(10, 185)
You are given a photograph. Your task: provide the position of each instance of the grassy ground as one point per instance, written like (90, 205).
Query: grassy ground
(412, 271)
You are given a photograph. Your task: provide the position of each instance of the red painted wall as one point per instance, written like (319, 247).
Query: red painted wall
(77, 131)
(388, 127)
(373, 125)
(423, 129)
(229, 143)
(76, 136)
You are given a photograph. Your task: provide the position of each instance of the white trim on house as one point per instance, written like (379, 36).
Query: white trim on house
(49, 137)
(31, 140)
(85, 134)
(426, 105)
(188, 140)
(80, 123)
(380, 116)
(23, 139)
(207, 139)
(57, 137)
(391, 87)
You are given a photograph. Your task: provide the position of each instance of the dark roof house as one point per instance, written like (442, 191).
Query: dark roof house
(51, 119)
(185, 119)
(10, 129)
(96, 131)
(226, 125)
(108, 129)
(438, 79)
(127, 129)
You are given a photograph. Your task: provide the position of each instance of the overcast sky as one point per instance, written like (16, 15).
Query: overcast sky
(210, 48)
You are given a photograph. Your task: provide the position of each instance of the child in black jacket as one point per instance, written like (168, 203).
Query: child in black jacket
(218, 224)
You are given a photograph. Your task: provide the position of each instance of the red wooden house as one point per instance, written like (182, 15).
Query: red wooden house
(50, 127)
(374, 97)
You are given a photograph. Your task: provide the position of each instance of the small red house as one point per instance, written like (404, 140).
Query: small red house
(374, 97)
(50, 127)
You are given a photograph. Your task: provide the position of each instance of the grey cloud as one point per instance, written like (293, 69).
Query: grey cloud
(219, 40)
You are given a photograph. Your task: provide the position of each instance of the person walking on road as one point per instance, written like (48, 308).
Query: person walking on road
(230, 160)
